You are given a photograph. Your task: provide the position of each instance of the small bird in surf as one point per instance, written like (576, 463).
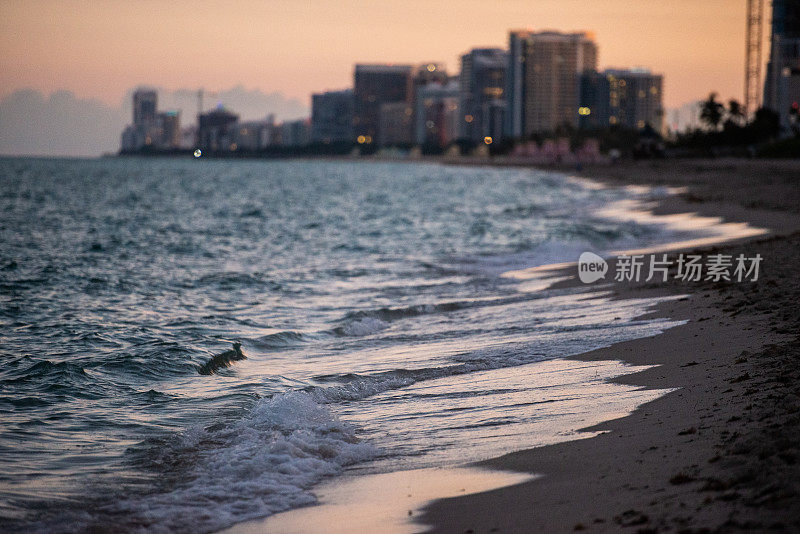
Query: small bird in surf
(224, 359)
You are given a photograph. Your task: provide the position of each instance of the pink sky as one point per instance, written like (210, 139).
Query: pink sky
(101, 48)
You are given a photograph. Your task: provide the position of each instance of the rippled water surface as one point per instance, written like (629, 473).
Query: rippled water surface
(377, 331)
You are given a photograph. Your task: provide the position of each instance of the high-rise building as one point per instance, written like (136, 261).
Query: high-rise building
(396, 124)
(437, 114)
(782, 83)
(403, 131)
(482, 79)
(147, 130)
(515, 87)
(296, 133)
(375, 85)
(217, 130)
(632, 98)
(169, 122)
(255, 135)
(427, 73)
(332, 117)
(145, 106)
(543, 86)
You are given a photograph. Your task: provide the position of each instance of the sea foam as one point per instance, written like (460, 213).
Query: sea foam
(264, 463)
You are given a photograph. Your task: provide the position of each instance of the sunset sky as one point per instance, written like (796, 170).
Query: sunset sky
(100, 49)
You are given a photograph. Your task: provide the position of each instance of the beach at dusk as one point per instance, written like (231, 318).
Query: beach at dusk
(475, 267)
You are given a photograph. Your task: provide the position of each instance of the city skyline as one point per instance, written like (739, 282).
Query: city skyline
(301, 48)
(543, 82)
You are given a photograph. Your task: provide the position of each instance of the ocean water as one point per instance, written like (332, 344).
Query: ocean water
(378, 331)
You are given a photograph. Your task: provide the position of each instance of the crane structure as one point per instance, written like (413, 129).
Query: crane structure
(752, 56)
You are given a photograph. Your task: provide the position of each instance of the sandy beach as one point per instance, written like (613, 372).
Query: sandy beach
(718, 454)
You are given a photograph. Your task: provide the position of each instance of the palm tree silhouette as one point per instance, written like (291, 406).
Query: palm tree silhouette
(711, 111)
(736, 112)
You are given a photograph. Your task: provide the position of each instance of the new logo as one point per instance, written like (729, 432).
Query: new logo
(591, 267)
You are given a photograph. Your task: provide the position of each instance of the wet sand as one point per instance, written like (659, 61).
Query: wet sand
(722, 452)
(381, 503)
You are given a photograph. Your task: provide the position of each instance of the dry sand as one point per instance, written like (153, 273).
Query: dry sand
(722, 452)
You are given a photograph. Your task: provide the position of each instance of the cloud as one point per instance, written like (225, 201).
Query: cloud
(64, 125)
(58, 125)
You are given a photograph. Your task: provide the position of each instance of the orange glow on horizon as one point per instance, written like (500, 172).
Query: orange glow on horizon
(102, 49)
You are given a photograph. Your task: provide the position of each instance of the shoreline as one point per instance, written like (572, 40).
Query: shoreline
(590, 463)
(691, 460)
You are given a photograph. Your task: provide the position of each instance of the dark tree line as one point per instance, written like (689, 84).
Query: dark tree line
(728, 126)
